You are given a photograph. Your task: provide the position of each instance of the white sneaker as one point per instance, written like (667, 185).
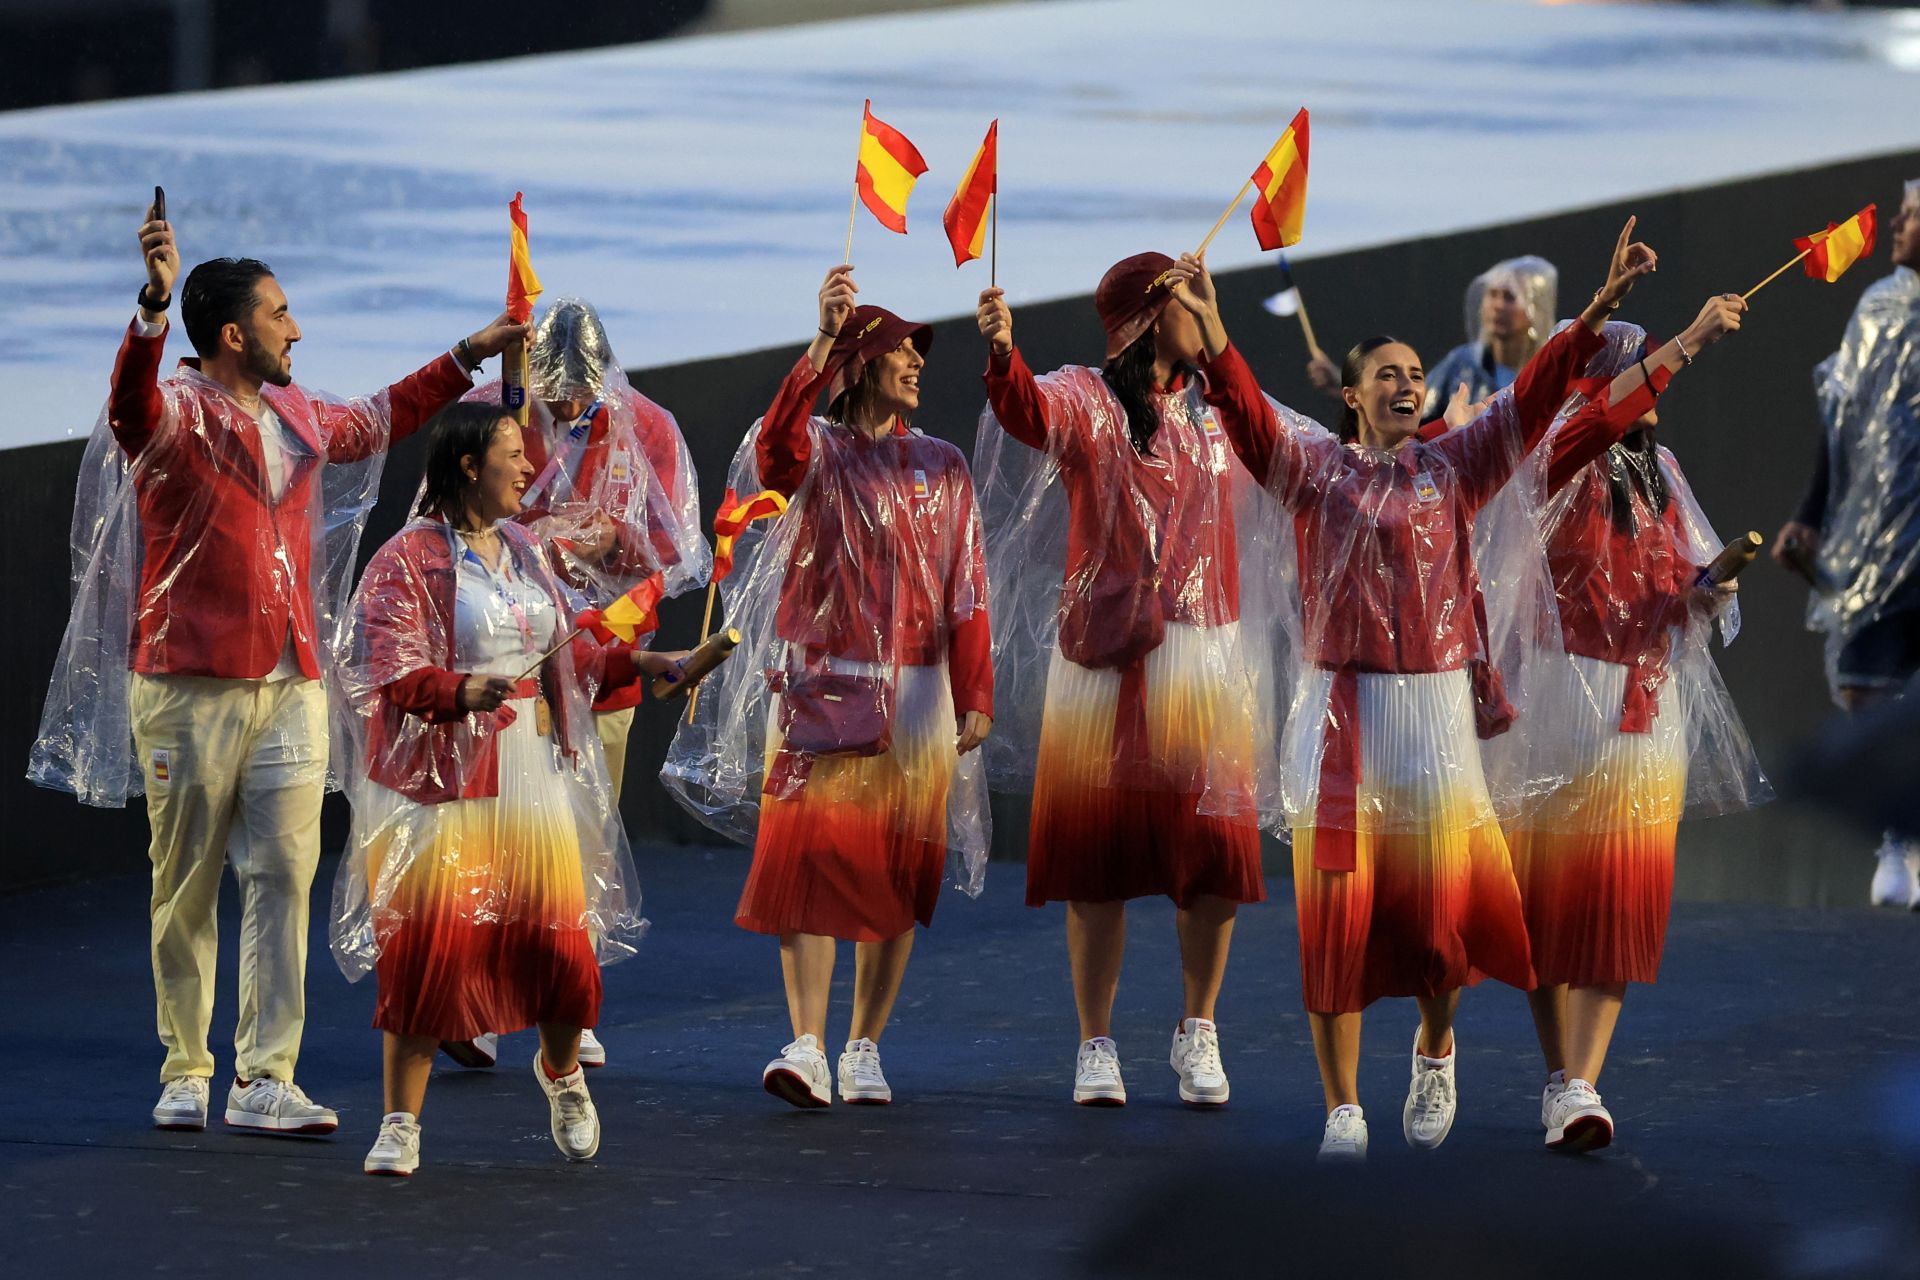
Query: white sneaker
(1431, 1098)
(575, 1123)
(1345, 1139)
(1096, 1074)
(860, 1076)
(799, 1075)
(277, 1106)
(396, 1152)
(183, 1104)
(1577, 1121)
(479, 1053)
(592, 1052)
(1196, 1060)
(1896, 881)
(1547, 1095)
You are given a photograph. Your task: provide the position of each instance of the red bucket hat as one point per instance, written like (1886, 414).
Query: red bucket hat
(1131, 297)
(866, 334)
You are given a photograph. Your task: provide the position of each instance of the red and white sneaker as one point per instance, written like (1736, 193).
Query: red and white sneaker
(799, 1075)
(1577, 1121)
(278, 1107)
(396, 1151)
(861, 1080)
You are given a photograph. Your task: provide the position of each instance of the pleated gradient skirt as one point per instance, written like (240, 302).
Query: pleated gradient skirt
(487, 907)
(860, 851)
(1431, 904)
(1595, 861)
(1123, 760)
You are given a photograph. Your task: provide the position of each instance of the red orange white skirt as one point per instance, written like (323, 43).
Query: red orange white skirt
(481, 904)
(860, 852)
(1595, 858)
(1431, 904)
(1115, 824)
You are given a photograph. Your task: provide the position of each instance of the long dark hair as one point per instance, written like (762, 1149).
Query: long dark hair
(1634, 464)
(1350, 370)
(464, 429)
(1129, 376)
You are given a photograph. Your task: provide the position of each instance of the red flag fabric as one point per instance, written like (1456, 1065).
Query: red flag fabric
(889, 166)
(966, 215)
(1831, 252)
(1280, 188)
(522, 285)
(732, 520)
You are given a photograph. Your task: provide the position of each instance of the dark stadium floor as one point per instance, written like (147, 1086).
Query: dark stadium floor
(1765, 1094)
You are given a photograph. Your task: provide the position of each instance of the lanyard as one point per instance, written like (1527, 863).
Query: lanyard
(499, 583)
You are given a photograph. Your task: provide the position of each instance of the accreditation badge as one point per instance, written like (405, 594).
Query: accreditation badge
(1424, 488)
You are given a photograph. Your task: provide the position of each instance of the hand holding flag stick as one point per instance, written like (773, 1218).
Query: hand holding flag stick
(1829, 253)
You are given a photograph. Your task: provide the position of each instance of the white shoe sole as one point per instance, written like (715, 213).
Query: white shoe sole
(578, 1156)
(1100, 1096)
(866, 1097)
(1341, 1155)
(1585, 1131)
(386, 1169)
(595, 1061)
(793, 1088)
(1203, 1098)
(180, 1123)
(277, 1127)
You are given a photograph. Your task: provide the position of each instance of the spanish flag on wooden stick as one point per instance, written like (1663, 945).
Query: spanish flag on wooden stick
(732, 520)
(1280, 188)
(628, 617)
(966, 216)
(1830, 252)
(522, 285)
(889, 166)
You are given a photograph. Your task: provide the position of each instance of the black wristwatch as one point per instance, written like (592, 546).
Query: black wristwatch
(148, 304)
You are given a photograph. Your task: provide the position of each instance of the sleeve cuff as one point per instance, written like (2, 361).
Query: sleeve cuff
(141, 329)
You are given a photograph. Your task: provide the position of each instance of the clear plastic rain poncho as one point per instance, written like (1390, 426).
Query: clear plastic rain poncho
(1533, 280)
(1632, 723)
(501, 818)
(1421, 600)
(1869, 394)
(847, 604)
(194, 487)
(623, 463)
(1165, 570)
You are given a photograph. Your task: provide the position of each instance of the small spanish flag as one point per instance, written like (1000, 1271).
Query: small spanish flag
(1280, 188)
(732, 520)
(522, 285)
(889, 166)
(1831, 252)
(966, 216)
(628, 617)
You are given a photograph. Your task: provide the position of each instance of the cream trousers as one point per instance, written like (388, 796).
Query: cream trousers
(235, 771)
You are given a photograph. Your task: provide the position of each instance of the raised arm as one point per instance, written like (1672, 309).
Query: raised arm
(784, 448)
(1011, 387)
(135, 407)
(364, 426)
(1630, 395)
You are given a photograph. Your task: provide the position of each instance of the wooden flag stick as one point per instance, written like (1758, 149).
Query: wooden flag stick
(541, 661)
(853, 208)
(993, 233)
(1241, 194)
(1306, 325)
(1770, 279)
(706, 629)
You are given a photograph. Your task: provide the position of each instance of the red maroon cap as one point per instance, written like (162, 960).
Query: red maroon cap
(867, 333)
(1131, 297)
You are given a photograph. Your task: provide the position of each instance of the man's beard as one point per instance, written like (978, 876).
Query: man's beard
(262, 364)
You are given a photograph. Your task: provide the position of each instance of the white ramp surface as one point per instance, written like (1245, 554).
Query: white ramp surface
(696, 189)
